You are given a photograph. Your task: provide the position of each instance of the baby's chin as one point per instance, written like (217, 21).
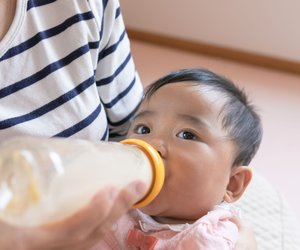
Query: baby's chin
(157, 212)
(166, 218)
(154, 209)
(150, 210)
(169, 216)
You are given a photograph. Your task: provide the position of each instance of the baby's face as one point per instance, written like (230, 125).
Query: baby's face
(181, 121)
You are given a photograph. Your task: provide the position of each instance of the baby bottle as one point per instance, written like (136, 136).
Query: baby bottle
(45, 180)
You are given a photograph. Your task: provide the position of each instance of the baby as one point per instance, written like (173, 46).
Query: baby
(207, 133)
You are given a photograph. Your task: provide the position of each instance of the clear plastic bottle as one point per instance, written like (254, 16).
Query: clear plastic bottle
(46, 180)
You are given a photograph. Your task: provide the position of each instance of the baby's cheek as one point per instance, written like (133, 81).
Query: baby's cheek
(156, 206)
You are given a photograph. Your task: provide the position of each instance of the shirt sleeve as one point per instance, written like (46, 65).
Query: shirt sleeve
(119, 86)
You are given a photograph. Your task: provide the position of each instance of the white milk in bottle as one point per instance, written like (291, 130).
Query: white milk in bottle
(45, 180)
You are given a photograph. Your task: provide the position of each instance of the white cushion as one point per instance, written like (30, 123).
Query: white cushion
(274, 223)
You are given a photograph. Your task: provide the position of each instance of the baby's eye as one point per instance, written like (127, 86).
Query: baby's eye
(187, 135)
(142, 129)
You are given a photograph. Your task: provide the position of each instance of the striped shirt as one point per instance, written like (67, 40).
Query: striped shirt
(66, 70)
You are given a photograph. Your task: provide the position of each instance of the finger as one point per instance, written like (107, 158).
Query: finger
(237, 221)
(78, 227)
(125, 200)
(122, 203)
(246, 238)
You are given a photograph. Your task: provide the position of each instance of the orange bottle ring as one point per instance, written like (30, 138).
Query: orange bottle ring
(158, 170)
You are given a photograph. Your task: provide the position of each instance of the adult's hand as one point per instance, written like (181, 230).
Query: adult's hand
(246, 239)
(80, 231)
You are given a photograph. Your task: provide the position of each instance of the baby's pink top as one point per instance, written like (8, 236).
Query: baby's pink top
(139, 231)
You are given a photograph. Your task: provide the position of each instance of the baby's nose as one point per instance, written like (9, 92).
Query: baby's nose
(159, 153)
(160, 146)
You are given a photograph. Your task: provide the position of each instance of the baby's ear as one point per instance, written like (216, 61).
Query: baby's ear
(239, 179)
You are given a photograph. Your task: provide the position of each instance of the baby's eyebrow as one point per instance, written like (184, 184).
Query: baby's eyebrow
(197, 121)
(142, 114)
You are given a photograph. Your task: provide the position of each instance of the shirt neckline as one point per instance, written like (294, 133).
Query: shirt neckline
(15, 26)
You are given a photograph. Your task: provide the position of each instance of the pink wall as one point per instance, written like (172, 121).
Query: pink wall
(264, 27)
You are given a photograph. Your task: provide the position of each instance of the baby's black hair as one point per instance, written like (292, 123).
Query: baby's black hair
(239, 117)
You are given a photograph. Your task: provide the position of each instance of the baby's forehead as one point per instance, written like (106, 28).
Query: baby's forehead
(202, 91)
(187, 97)
(196, 86)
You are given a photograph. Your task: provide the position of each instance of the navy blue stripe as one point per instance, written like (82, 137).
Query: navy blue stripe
(104, 3)
(109, 79)
(118, 12)
(49, 106)
(80, 125)
(93, 45)
(37, 3)
(124, 120)
(44, 72)
(112, 48)
(120, 96)
(46, 34)
(105, 135)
